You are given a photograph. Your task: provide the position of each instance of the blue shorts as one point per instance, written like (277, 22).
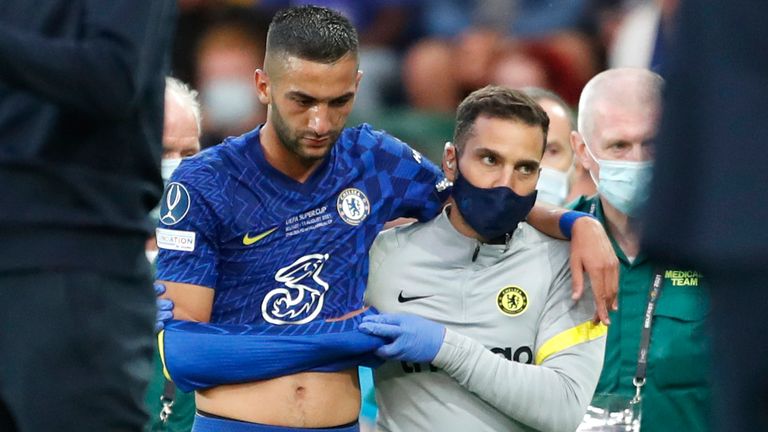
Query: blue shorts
(215, 424)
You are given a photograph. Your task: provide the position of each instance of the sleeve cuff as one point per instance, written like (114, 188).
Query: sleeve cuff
(454, 347)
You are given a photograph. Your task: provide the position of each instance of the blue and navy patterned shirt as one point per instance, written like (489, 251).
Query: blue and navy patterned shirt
(277, 251)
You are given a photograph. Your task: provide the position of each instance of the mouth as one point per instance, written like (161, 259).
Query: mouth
(317, 142)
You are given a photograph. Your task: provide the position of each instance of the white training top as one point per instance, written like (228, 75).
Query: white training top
(518, 354)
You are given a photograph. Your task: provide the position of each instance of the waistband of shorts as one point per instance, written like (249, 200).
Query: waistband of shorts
(205, 423)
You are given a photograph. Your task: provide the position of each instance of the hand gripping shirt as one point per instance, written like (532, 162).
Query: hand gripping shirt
(518, 354)
(277, 251)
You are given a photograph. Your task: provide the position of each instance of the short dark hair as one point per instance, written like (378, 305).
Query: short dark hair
(311, 33)
(497, 102)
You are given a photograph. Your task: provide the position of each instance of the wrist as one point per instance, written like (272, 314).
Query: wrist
(568, 219)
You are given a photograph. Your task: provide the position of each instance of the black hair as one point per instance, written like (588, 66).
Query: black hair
(311, 33)
(497, 102)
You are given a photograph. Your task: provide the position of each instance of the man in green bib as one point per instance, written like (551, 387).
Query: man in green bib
(665, 358)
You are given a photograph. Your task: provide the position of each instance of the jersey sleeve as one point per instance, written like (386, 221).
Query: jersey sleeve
(418, 185)
(189, 227)
(552, 394)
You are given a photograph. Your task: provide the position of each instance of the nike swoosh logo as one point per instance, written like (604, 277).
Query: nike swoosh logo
(402, 299)
(251, 240)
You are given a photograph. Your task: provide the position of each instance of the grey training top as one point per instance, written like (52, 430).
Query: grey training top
(518, 354)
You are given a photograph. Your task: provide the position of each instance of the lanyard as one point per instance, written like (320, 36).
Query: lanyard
(645, 335)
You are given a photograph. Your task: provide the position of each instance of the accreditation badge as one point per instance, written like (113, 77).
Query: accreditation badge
(612, 412)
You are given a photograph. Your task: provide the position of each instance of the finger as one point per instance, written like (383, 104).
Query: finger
(389, 351)
(165, 304)
(383, 318)
(601, 303)
(577, 279)
(380, 329)
(164, 315)
(596, 318)
(159, 288)
(613, 286)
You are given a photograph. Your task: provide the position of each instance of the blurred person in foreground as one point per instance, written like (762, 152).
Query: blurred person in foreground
(81, 116)
(658, 344)
(266, 256)
(709, 204)
(170, 409)
(482, 332)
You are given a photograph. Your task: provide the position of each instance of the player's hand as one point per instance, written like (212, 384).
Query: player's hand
(410, 338)
(164, 307)
(591, 251)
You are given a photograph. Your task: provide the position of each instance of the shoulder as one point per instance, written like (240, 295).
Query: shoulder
(556, 251)
(402, 236)
(212, 165)
(364, 138)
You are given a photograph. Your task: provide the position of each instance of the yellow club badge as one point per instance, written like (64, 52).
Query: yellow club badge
(512, 301)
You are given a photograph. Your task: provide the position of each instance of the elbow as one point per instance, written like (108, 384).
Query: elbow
(573, 418)
(568, 420)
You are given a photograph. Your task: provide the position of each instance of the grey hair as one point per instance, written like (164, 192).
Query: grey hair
(186, 96)
(622, 87)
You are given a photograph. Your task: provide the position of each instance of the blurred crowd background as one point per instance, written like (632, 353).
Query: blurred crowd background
(420, 58)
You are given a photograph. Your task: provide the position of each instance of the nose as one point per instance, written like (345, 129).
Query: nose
(637, 153)
(506, 178)
(319, 121)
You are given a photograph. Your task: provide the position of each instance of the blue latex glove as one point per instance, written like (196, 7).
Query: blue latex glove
(411, 338)
(164, 307)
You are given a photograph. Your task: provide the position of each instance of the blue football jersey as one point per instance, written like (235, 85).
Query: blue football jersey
(277, 251)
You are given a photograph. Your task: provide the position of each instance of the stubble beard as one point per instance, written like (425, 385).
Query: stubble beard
(292, 143)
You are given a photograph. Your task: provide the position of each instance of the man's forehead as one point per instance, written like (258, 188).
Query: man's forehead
(284, 63)
(505, 136)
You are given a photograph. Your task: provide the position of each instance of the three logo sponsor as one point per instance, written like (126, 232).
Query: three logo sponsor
(299, 297)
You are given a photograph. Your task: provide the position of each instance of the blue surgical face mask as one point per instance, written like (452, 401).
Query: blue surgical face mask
(625, 184)
(490, 212)
(552, 186)
(167, 167)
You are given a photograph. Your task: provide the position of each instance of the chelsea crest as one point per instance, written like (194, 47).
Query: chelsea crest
(353, 206)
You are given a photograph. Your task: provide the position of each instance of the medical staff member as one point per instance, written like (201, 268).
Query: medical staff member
(481, 330)
(619, 111)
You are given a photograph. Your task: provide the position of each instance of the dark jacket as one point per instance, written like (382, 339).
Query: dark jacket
(81, 117)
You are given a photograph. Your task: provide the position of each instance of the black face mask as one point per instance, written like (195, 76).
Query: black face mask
(491, 212)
